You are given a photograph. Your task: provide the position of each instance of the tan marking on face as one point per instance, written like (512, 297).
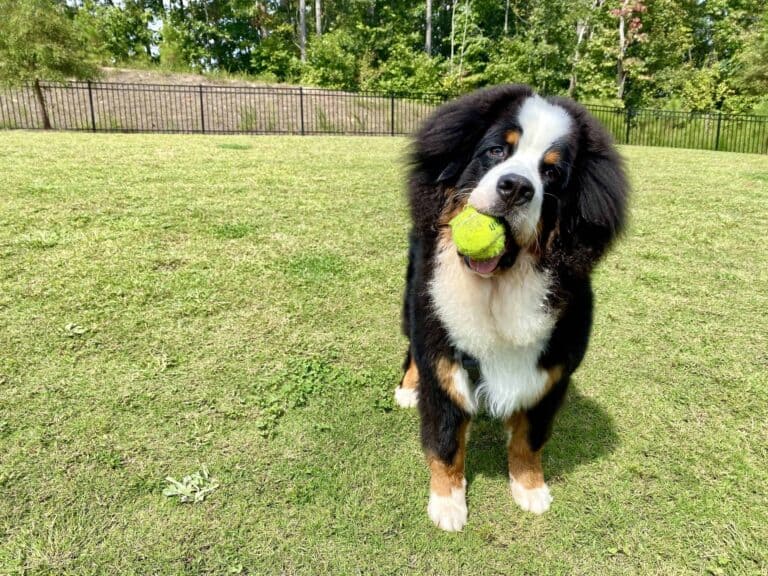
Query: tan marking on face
(454, 204)
(512, 137)
(553, 236)
(524, 464)
(552, 157)
(411, 377)
(446, 370)
(532, 245)
(447, 476)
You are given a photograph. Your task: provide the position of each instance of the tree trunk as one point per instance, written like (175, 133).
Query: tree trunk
(583, 32)
(506, 18)
(41, 101)
(467, 9)
(453, 26)
(303, 29)
(318, 18)
(428, 41)
(621, 73)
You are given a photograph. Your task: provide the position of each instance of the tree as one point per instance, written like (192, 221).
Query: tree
(125, 29)
(582, 35)
(39, 41)
(630, 26)
(303, 29)
(428, 39)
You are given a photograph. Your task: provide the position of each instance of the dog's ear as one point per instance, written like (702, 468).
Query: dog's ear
(444, 146)
(599, 186)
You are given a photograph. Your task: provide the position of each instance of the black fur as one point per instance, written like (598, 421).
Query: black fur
(583, 212)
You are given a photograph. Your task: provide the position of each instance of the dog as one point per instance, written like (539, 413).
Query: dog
(503, 335)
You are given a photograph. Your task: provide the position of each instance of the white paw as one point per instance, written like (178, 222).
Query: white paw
(536, 500)
(448, 512)
(406, 397)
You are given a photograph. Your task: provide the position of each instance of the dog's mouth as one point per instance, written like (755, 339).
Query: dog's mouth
(486, 268)
(483, 267)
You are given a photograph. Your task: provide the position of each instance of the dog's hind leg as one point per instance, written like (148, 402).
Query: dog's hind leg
(407, 392)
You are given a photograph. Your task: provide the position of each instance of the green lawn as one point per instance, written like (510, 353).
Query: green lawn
(170, 302)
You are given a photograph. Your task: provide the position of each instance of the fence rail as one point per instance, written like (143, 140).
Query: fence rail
(120, 107)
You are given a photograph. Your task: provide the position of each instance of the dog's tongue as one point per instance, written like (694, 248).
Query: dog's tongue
(484, 266)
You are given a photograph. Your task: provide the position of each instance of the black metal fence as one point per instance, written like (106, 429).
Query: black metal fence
(119, 107)
(703, 130)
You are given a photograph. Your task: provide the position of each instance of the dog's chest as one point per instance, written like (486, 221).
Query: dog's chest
(502, 321)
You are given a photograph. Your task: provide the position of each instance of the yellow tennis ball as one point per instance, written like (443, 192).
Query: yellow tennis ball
(476, 235)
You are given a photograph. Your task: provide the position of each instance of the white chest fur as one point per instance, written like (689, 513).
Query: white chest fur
(502, 321)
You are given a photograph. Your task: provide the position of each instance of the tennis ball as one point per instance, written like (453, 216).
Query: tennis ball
(476, 235)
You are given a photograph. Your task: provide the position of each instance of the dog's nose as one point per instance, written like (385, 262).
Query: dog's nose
(515, 188)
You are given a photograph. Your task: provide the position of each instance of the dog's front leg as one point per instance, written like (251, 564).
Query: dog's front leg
(528, 431)
(445, 405)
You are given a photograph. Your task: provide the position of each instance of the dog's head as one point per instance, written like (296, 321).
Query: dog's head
(544, 167)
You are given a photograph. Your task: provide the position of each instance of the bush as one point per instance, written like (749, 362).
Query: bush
(332, 61)
(277, 57)
(406, 70)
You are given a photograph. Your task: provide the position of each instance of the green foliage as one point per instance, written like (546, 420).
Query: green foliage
(703, 89)
(39, 40)
(406, 70)
(332, 61)
(124, 33)
(752, 62)
(277, 55)
(690, 55)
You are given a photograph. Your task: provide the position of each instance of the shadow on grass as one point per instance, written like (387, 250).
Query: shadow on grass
(583, 432)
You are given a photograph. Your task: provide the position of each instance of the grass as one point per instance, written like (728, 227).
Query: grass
(177, 304)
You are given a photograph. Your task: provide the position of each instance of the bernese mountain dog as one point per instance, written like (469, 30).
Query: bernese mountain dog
(503, 335)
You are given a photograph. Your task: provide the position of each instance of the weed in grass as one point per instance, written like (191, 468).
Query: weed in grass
(234, 146)
(318, 266)
(41, 240)
(191, 489)
(233, 231)
(292, 387)
(72, 330)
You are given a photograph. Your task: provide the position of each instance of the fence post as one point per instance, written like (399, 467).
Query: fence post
(301, 108)
(90, 100)
(392, 114)
(717, 133)
(628, 125)
(202, 109)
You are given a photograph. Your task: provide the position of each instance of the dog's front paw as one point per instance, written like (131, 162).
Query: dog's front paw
(406, 397)
(536, 500)
(448, 512)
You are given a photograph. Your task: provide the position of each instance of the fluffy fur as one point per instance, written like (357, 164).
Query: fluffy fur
(551, 174)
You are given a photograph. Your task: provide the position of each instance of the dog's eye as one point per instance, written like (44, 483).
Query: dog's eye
(550, 172)
(496, 152)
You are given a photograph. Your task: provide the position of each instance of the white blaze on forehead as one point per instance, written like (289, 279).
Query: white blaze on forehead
(542, 124)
